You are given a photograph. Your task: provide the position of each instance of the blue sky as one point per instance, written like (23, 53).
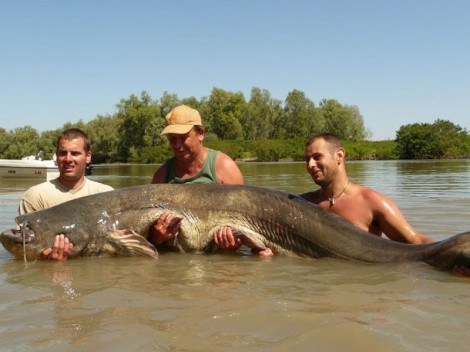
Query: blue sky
(399, 62)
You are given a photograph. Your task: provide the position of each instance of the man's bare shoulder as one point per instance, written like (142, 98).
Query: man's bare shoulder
(224, 160)
(372, 197)
(227, 170)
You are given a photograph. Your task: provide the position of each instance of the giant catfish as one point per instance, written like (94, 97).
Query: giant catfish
(118, 222)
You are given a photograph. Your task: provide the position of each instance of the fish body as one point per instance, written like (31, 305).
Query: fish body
(119, 221)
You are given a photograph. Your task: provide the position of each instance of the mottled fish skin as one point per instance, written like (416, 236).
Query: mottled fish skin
(262, 217)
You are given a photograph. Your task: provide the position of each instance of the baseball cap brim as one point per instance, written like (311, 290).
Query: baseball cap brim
(177, 129)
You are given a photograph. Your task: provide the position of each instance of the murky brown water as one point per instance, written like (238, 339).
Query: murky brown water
(229, 302)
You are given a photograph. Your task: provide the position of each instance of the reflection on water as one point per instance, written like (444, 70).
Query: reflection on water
(230, 302)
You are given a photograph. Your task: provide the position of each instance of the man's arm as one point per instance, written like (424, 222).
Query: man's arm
(392, 222)
(160, 175)
(227, 170)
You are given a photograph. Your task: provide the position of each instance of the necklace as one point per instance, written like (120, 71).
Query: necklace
(332, 200)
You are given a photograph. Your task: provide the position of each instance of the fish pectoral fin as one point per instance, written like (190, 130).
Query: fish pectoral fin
(130, 244)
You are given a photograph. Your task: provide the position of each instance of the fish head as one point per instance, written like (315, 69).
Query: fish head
(31, 237)
(21, 243)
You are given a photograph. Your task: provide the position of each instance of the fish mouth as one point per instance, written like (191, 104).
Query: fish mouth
(20, 243)
(24, 235)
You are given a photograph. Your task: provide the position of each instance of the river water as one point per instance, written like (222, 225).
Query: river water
(231, 302)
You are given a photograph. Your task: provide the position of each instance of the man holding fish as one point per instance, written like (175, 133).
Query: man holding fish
(73, 155)
(192, 163)
(367, 209)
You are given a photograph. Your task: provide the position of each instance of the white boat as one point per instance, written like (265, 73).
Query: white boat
(32, 166)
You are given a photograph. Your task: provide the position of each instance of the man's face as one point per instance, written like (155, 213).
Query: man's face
(185, 145)
(320, 162)
(72, 159)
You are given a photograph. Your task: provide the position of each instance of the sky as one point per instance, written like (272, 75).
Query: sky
(400, 62)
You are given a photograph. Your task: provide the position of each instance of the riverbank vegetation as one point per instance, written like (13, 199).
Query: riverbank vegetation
(258, 129)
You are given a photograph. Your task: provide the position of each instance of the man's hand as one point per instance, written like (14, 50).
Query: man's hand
(61, 249)
(461, 270)
(224, 239)
(165, 228)
(265, 253)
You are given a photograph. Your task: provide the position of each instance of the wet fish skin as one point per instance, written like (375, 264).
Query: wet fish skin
(261, 217)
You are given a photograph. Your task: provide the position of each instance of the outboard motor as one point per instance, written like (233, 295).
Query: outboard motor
(89, 169)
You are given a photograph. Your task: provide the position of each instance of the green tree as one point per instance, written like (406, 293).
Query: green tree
(167, 102)
(449, 137)
(299, 118)
(224, 110)
(442, 139)
(79, 124)
(344, 121)
(48, 142)
(5, 141)
(139, 125)
(355, 129)
(103, 133)
(261, 113)
(24, 142)
(192, 102)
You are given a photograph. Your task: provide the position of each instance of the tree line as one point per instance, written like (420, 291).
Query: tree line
(261, 128)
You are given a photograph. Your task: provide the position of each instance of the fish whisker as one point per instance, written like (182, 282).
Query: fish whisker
(23, 234)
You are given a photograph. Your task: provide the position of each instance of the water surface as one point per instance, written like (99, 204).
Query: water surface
(230, 302)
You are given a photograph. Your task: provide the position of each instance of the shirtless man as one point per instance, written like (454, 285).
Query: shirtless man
(367, 209)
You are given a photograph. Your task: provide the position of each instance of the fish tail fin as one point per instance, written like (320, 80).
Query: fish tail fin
(130, 244)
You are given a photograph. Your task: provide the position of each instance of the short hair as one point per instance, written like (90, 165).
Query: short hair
(331, 139)
(74, 133)
(199, 128)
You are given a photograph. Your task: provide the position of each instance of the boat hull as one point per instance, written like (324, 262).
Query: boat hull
(39, 169)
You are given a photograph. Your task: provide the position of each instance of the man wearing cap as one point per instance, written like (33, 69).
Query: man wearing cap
(192, 163)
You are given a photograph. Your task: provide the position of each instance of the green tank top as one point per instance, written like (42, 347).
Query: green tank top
(206, 175)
